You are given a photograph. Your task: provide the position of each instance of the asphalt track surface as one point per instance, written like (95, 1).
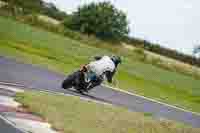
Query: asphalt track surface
(7, 128)
(39, 78)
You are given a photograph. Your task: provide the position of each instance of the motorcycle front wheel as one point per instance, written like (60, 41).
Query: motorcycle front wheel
(68, 82)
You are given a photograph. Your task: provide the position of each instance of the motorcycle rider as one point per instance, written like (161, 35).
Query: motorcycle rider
(103, 67)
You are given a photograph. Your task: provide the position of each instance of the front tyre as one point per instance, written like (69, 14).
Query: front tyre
(68, 82)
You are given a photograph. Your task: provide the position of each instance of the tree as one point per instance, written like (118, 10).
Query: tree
(100, 19)
(51, 10)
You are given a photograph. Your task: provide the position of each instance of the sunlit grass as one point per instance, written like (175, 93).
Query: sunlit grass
(69, 114)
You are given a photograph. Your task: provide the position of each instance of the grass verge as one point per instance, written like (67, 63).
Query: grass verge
(72, 115)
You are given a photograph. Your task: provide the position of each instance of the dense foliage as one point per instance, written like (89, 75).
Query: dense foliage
(100, 19)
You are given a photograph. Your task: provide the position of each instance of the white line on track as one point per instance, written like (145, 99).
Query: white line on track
(82, 98)
(117, 89)
(11, 84)
(14, 89)
(7, 85)
(153, 100)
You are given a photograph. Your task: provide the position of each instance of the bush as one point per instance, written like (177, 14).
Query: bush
(140, 54)
(100, 19)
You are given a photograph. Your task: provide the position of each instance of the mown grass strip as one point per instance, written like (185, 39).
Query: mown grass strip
(70, 114)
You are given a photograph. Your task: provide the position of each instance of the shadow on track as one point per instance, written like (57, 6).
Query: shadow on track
(87, 95)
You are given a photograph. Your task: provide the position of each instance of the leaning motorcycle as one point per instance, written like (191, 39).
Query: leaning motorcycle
(79, 81)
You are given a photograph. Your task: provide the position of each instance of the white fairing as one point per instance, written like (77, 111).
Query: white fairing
(102, 65)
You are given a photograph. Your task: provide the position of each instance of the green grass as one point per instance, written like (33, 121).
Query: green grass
(69, 114)
(63, 55)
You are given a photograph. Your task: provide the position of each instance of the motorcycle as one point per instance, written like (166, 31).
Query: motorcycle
(79, 81)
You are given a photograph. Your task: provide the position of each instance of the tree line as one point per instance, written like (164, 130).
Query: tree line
(155, 48)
